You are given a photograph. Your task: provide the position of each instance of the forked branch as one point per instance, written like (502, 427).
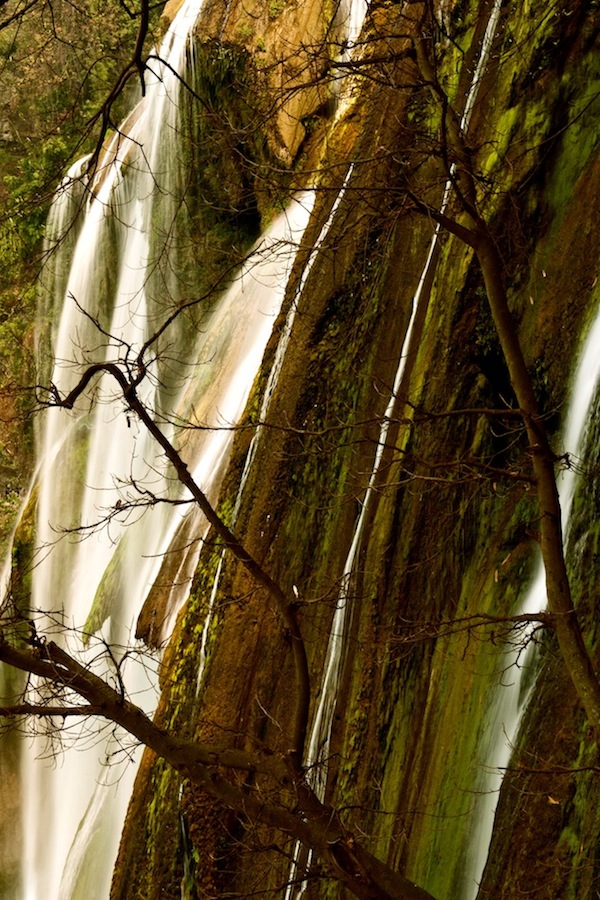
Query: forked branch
(284, 605)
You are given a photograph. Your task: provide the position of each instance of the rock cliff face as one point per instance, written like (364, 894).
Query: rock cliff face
(450, 533)
(448, 544)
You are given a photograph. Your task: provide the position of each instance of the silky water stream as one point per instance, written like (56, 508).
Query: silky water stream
(112, 249)
(515, 689)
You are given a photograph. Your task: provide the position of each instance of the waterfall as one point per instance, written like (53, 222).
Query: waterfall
(103, 523)
(511, 699)
(233, 347)
(73, 806)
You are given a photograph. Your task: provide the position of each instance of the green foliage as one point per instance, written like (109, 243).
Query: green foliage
(29, 194)
(58, 69)
(245, 32)
(276, 7)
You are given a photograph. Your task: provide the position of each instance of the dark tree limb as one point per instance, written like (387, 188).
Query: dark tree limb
(285, 606)
(478, 235)
(316, 825)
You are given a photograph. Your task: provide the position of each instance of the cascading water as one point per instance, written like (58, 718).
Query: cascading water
(88, 458)
(512, 698)
(239, 330)
(101, 534)
(106, 454)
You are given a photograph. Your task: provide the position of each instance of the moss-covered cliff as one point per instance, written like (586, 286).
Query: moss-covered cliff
(451, 532)
(448, 547)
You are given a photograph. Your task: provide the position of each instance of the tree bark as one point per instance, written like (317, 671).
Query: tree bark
(564, 617)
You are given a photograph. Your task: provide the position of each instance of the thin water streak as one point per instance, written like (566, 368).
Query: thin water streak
(512, 698)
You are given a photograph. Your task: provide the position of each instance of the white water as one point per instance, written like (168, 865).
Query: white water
(71, 825)
(512, 698)
(96, 460)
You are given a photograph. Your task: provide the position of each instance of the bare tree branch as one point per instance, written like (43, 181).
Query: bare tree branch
(285, 606)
